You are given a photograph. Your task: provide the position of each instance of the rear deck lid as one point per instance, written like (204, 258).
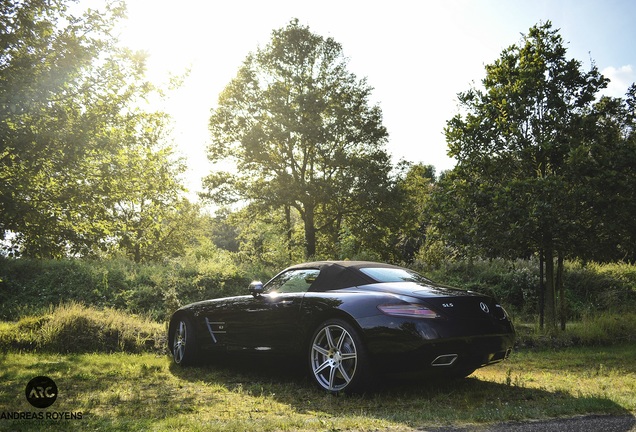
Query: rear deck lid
(467, 307)
(449, 302)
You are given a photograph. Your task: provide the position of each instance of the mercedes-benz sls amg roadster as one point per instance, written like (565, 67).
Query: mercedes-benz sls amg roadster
(349, 320)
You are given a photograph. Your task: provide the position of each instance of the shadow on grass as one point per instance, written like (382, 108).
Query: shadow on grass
(409, 400)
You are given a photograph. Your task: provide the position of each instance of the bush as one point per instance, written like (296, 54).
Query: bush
(74, 328)
(31, 287)
(599, 287)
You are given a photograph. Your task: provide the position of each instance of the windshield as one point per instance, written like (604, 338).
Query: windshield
(388, 274)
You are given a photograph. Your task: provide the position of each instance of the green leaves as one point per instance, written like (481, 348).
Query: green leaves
(300, 132)
(85, 169)
(513, 142)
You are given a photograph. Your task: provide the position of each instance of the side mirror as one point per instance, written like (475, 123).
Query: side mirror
(256, 288)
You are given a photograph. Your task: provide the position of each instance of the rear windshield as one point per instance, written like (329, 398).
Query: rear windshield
(387, 274)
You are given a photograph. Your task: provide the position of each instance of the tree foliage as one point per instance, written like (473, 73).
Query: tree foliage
(80, 159)
(412, 218)
(300, 132)
(526, 144)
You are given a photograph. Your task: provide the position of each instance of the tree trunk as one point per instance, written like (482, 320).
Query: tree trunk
(137, 253)
(541, 290)
(310, 231)
(559, 286)
(288, 231)
(550, 303)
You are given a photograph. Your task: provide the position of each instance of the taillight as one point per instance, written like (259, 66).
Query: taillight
(408, 310)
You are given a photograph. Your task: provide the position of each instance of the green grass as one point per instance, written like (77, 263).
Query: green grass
(146, 392)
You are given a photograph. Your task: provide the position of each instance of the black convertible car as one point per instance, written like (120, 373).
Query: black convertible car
(348, 320)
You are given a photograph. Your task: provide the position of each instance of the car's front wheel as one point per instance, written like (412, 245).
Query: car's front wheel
(182, 343)
(337, 358)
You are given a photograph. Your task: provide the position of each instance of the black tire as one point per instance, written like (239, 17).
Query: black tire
(183, 345)
(338, 361)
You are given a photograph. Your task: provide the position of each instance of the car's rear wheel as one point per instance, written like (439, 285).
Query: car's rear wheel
(183, 343)
(337, 358)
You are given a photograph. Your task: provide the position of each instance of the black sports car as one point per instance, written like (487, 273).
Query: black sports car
(349, 319)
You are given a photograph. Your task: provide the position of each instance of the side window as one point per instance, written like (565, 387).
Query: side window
(293, 281)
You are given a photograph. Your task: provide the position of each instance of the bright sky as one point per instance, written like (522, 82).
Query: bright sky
(417, 55)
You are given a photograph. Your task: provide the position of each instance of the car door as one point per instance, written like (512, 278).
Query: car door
(270, 321)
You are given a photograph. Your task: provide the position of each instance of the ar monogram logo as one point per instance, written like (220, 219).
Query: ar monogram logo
(41, 392)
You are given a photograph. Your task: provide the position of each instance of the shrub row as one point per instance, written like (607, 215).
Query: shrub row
(589, 289)
(31, 286)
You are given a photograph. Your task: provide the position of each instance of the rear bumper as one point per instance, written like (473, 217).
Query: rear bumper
(414, 346)
(452, 354)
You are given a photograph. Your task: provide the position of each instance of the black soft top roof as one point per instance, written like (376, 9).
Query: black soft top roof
(340, 274)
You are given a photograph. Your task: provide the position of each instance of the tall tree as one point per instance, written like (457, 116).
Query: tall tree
(73, 134)
(42, 66)
(300, 132)
(512, 144)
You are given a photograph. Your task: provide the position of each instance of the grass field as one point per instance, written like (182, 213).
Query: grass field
(131, 392)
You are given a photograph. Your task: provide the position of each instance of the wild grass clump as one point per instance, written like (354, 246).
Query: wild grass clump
(74, 328)
(605, 329)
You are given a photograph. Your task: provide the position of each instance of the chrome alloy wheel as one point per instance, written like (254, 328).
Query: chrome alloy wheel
(179, 342)
(334, 357)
